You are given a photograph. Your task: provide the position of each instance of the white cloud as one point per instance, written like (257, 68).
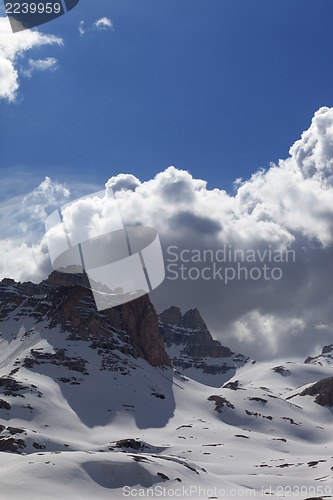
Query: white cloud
(23, 255)
(50, 63)
(47, 195)
(82, 29)
(12, 48)
(123, 181)
(23, 262)
(104, 23)
(289, 206)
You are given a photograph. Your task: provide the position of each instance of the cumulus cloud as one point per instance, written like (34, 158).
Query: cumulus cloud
(12, 48)
(104, 23)
(123, 181)
(288, 208)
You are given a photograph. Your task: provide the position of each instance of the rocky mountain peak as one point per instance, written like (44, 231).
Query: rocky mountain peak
(57, 279)
(192, 319)
(65, 300)
(327, 348)
(325, 358)
(172, 315)
(194, 351)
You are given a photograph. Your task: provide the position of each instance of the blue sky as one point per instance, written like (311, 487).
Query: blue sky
(219, 88)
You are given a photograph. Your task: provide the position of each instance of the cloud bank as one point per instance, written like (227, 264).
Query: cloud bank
(12, 49)
(288, 207)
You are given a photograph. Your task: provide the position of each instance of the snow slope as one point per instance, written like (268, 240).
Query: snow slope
(75, 426)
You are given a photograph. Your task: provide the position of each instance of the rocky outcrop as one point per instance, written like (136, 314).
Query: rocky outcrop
(323, 390)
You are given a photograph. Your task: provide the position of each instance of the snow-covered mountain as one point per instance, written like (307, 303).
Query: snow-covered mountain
(106, 405)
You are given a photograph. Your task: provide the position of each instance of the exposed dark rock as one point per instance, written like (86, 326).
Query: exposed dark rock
(140, 320)
(220, 403)
(172, 316)
(163, 476)
(11, 444)
(327, 348)
(314, 463)
(57, 279)
(38, 446)
(323, 390)
(234, 385)
(158, 395)
(15, 430)
(325, 358)
(291, 420)
(58, 358)
(259, 400)
(192, 319)
(192, 332)
(11, 386)
(131, 443)
(4, 405)
(190, 336)
(281, 370)
(256, 414)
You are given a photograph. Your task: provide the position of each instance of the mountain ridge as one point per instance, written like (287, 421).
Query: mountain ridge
(93, 402)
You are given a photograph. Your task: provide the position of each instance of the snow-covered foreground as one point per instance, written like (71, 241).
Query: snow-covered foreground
(66, 416)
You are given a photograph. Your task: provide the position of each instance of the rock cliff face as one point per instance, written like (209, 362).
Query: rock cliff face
(140, 321)
(323, 390)
(193, 350)
(65, 300)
